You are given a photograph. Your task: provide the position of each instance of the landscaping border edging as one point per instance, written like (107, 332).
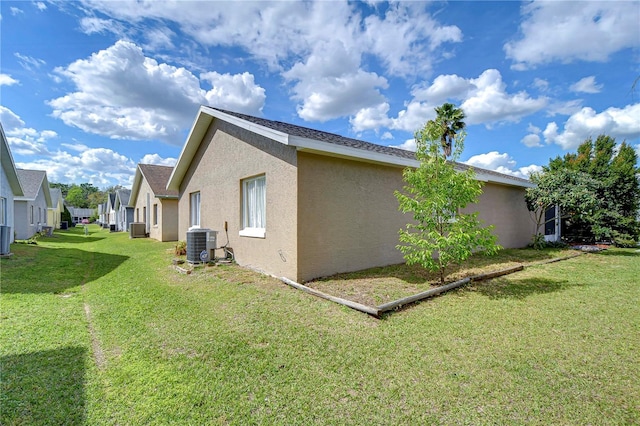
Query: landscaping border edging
(395, 304)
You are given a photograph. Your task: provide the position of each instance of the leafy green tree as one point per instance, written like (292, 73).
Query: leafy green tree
(449, 118)
(618, 189)
(435, 193)
(83, 195)
(575, 192)
(96, 198)
(64, 188)
(76, 197)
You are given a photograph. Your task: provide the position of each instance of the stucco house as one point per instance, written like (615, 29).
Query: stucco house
(302, 203)
(31, 209)
(54, 213)
(154, 204)
(10, 188)
(124, 212)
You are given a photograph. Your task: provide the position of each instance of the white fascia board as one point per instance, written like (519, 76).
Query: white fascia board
(275, 135)
(197, 132)
(137, 180)
(490, 177)
(305, 144)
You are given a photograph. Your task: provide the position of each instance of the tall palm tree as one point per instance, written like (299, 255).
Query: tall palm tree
(450, 118)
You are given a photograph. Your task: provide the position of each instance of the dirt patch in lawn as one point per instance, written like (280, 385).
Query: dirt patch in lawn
(376, 286)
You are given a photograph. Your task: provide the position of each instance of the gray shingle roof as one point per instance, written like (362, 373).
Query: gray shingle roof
(31, 181)
(56, 195)
(157, 177)
(124, 195)
(319, 135)
(304, 132)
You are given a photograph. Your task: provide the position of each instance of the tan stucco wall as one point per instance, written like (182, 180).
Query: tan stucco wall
(227, 155)
(348, 217)
(168, 219)
(167, 228)
(505, 208)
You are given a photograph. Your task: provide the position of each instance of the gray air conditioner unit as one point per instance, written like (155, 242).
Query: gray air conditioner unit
(137, 230)
(197, 245)
(201, 244)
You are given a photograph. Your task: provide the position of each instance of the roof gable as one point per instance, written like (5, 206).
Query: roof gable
(157, 177)
(56, 197)
(32, 182)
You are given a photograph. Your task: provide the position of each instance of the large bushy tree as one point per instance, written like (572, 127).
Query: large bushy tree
(573, 191)
(615, 168)
(435, 193)
(79, 195)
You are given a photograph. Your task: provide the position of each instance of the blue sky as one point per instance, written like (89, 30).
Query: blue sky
(88, 89)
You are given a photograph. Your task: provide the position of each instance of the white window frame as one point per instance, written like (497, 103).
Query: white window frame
(194, 209)
(254, 224)
(154, 219)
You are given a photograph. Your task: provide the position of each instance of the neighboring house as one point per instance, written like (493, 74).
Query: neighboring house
(31, 209)
(302, 203)
(154, 205)
(79, 214)
(10, 186)
(100, 220)
(124, 212)
(104, 214)
(54, 213)
(111, 211)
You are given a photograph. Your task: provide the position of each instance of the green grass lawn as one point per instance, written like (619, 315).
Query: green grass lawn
(101, 330)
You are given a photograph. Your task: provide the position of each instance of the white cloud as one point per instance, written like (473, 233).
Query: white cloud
(237, 92)
(371, 118)
(93, 25)
(443, 87)
(16, 11)
(29, 63)
(489, 102)
(620, 123)
(484, 100)
(155, 101)
(586, 85)
(7, 80)
(564, 108)
(157, 159)
(502, 163)
(98, 166)
(531, 140)
(24, 140)
(41, 6)
(10, 120)
(541, 84)
(317, 46)
(408, 145)
(567, 31)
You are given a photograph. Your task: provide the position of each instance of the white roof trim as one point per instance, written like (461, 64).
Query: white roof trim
(206, 116)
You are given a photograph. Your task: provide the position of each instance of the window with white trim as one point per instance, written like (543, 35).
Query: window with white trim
(254, 206)
(31, 215)
(194, 209)
(155, 214)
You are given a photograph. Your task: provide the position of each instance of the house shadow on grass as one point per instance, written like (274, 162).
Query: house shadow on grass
(501, 288)
(37, 269)
(43, 388)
